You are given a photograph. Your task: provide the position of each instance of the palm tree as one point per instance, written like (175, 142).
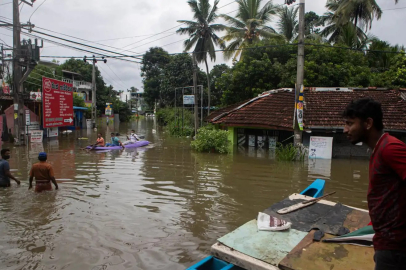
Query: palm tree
(358, 11)
(248, 26)
(288, 23)
(337, 32)
(202, 34)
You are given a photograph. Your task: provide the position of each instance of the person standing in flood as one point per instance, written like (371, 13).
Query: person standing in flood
(43, 173)
(5, 173)
(387, 181)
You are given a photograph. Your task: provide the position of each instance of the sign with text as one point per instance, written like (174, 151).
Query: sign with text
(188, 99)
(299, 108)
(109, 109)
(57, 103)
(321, 147)
(52, 132)
(36, 136)
(27, 118)
(34, 126)
(37, 96)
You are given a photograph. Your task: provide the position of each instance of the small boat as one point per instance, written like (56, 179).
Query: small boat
(132, 145)
(212, 263)
(315, 189)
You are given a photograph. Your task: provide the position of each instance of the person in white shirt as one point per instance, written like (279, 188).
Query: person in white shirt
(133, 138)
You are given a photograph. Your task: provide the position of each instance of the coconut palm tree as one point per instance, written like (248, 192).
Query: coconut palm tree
(334, 30)
(202, 34)
(359, 12)
(248, 26)
(288, 23)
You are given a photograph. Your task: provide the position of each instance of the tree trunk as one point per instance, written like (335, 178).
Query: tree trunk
(208, 86)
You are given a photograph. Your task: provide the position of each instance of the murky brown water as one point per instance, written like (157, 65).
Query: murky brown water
(160, 207)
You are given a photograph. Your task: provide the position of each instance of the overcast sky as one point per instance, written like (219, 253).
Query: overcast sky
(130, 24)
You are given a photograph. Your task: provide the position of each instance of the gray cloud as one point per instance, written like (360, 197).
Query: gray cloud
(106, 19)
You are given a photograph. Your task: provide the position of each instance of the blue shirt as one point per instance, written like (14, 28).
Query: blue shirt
(4, 166)
(115, 141)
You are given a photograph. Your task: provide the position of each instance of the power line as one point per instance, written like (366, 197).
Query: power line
(69, 46)
(78, 43)
(393, 8)
(116, 76)
(6, 3)
(110, 78)
(36, 9)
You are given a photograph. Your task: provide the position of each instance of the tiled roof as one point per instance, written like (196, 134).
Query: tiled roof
(322, 109)
(275, 110)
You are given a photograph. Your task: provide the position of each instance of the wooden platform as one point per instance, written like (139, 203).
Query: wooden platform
(304, 252)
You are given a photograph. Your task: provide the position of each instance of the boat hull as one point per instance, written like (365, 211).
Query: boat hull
(133, 145)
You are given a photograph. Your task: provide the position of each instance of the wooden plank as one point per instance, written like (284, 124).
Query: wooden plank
(240, 259)
(327, 256)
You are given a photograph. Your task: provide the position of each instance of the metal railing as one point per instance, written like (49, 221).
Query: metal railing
(79, 84)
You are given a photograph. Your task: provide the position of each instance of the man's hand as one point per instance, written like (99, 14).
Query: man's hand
(56, 187)
(18, 182)
(30, 187)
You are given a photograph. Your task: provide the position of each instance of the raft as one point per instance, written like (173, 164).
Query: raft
(133, 145)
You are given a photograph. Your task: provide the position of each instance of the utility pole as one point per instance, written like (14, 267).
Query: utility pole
(300, 67)
(195, 91)
(94, 108)
(17, 72)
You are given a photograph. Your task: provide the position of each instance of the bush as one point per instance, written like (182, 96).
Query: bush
(289, 152)
(172, 119)
(210, 139)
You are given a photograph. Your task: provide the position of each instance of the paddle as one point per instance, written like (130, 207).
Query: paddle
(302, 204)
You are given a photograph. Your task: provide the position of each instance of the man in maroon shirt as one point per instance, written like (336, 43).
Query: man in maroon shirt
(387, 181)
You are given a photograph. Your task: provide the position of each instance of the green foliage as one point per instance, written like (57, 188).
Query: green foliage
(78, 101)
(162, 73)
(270, 68)
(288, 152)
(34, 80)
(210, 139)
(217, 92)
(172, 119)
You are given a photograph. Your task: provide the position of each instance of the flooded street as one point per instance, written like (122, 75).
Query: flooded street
(159, 207)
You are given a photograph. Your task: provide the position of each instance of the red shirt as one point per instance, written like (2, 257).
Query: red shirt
(387, 194)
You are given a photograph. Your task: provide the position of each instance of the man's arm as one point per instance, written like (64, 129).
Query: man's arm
(394, 155)
(31, 179)
(8, 173)
(52, 177)
(54, 182)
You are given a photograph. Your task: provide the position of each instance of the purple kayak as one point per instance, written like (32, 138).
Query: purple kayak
(133, 145)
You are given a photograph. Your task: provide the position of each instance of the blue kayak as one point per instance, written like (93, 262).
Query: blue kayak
(132, 145)
(315, 189)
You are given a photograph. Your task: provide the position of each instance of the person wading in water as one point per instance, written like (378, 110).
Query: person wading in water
(43, 173)
(5, 173)
(387, 181)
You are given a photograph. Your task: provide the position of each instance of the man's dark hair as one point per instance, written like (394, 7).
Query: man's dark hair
(42, 158)
(117, 134)
(133, 130)
(365, 108)
(3, 151)
(112, 133)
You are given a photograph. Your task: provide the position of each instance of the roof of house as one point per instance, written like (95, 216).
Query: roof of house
(322, 109)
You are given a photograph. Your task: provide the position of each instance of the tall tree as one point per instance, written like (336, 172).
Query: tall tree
(358, 12)
(312, 23)
(333, 29)
(202, 34)
(153, 66)
(288, 23)
(248, 26)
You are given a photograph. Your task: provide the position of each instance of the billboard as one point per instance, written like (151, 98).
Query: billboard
(57, 105)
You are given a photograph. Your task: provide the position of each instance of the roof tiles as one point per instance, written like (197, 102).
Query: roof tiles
(322, 109)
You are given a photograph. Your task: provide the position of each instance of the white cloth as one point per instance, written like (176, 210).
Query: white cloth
(134, 137)
(267, 223)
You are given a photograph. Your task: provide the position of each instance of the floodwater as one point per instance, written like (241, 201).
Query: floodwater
(159, 207)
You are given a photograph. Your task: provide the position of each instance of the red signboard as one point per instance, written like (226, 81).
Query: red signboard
(57, 103)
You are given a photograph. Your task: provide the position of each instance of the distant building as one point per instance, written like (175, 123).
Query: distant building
(262, 121)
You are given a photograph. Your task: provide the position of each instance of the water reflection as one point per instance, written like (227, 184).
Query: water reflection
(159, 207)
